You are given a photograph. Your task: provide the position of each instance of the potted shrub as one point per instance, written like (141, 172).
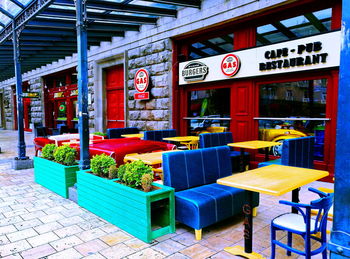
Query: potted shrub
(122, 201)
(56, 169)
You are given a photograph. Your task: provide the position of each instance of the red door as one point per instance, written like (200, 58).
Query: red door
(26, 113)
(115, 96)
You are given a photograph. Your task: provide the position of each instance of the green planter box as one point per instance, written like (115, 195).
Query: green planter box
(145, 215)
(54, 176)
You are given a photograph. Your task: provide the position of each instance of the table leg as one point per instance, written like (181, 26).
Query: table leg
(295, 198)
(247, 251)
(241, 161)
(267, 154)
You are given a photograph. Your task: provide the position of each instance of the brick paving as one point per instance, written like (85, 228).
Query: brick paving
(37, 223)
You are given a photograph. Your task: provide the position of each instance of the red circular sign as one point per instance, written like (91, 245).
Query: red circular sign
(141, 80)
(230, 65)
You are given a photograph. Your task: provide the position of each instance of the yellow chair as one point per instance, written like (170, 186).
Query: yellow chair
(216, 129)
(191, 144)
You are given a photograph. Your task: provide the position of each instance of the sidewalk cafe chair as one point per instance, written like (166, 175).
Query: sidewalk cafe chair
(222, 139)
(302, 224)
(158, 135)
(118, 132)
(297, 152)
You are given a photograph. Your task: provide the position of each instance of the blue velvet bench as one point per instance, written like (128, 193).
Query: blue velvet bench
(297, 152)
(222, 139)
(199, 200)
(118, 132)
(158, 135)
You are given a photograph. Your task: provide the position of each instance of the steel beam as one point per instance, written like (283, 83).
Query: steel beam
(18, 3)
(340, 235)
(130, 8)
(185, 3)
(55, 12)
(83, 83)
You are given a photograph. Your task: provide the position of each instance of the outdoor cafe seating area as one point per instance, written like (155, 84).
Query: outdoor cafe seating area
(212, 180)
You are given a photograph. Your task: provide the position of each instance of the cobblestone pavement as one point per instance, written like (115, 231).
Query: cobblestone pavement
(37, 223)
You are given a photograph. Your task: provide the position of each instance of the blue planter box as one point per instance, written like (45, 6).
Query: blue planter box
(145, 215)
(54, 176)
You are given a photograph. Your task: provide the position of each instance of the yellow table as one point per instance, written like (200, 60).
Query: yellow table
(273, 180)
(254, 144)
(153, 158)
(136, 135)
(182, 138)
(190, 141)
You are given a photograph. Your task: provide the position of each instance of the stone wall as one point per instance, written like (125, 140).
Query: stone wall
(91, 95)
(154, 113)
(36, 105)
(8, 108)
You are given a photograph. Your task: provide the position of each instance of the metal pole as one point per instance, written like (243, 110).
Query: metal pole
(16, 58)
(83, 83)
(340, 236)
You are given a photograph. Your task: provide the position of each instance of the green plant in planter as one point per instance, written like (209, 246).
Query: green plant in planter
(113, 172)
(146, 182)
(98, 133)
(65, 155)
(100, 165)
(130, 174)
(48, 151)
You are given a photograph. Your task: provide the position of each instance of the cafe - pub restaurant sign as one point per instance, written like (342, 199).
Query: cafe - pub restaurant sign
(305, 54)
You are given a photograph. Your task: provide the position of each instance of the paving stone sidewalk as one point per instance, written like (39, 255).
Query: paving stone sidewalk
(37, 223)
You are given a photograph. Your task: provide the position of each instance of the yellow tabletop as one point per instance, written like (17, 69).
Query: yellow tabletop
(153, 158)
(182, 138)
(254, 144)
(273, 179)
(137, 135)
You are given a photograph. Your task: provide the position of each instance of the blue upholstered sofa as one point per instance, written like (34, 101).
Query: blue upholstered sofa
(158, 135)
(199, 200)
(118, 132)
(297, 152)
(222, 139)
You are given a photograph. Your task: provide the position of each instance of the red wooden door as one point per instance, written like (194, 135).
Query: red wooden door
(115, 97)
(26, 113)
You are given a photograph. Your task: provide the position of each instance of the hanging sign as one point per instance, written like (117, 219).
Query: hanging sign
(141, 83)
(30, 95)
(304, 54)
(62, 108)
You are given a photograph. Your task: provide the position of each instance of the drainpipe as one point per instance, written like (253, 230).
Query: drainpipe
(339, 244)
(81, 17)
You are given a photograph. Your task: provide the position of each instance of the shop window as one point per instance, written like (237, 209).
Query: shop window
(61, 81)
(211, 47)
(288, 114)
(296, 27)
(74, 79)
(209, 111)
(62, 111)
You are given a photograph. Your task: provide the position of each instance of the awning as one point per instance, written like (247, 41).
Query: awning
(48, 27)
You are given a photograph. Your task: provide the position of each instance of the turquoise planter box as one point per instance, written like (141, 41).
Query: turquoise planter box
(54, 176)
(145, 215)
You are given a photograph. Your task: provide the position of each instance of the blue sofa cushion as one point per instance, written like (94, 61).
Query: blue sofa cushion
(215, 139)
(158, 135)
(191, 168)
(204, 205)
(118, 132)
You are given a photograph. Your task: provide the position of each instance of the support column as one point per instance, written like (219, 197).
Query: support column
(82, 83)
(21, 161)
(340, 236)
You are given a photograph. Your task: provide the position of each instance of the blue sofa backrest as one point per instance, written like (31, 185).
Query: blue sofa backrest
(215, 139)
(186, 169)
(118, 132)
(298, 152)
(158, 135)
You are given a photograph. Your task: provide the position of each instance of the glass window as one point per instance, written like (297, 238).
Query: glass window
(61, 81)
(74, 79)
(295, 27)
(62, 111)
(282, 104)
(210, 109)
(211, 47)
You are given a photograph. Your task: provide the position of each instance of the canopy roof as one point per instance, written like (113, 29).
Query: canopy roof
(48, 27)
